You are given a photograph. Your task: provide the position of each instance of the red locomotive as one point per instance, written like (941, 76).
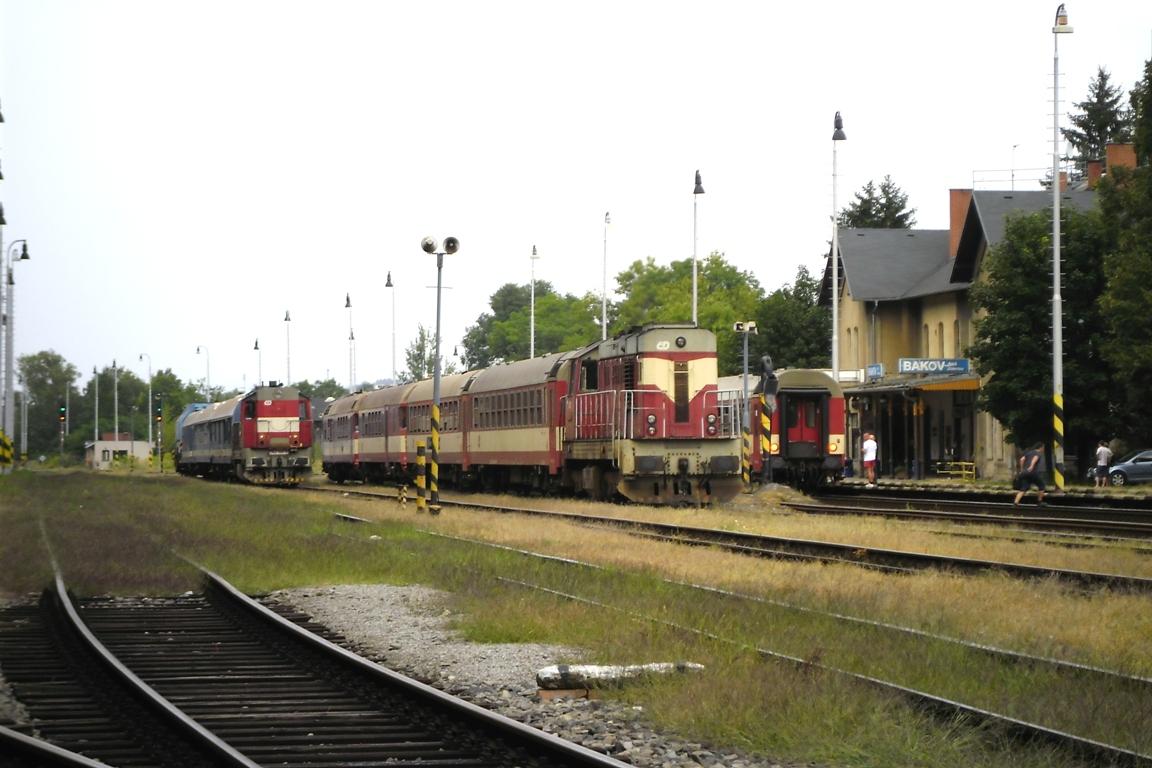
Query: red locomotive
(262, 437)
(805, 419)
(638, 415)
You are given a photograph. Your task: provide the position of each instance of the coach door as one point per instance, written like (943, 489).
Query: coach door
(803, 428)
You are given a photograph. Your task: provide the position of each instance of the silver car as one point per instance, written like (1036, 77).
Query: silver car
(1134, 468)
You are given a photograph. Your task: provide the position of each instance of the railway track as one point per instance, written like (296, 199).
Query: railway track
(1055, 516)
(760, 545)
(217, 679)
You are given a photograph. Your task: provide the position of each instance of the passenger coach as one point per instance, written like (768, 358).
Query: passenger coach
(638, 415)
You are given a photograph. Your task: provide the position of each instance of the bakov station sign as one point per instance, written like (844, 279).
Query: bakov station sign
(932, 365)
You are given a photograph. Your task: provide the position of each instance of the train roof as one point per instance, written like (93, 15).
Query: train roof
(450, 386)
(665, 337)
(214, 411)
(522, 373)
(788, 379)
(378, 398)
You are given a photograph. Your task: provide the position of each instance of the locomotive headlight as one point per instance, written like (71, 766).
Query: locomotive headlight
(681, 341)
(651, 418)
(833, 446)
(711, 429)
(712, 419)
(651, 430)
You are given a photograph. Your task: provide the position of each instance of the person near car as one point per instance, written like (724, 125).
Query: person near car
(868, 456)
(1103, 462)
(1030, 475)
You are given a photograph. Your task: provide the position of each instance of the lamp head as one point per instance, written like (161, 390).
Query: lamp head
(2, 222)
(24, 251)
(451, 245)
(838, 129)
(347, 301)
(256, 346)
(699, 190)
(388, 282)
(428, 244)
(1061, 21)
(287, 317)
(534, 252)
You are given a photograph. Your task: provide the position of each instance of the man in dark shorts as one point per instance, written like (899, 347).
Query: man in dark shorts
(1030, 474)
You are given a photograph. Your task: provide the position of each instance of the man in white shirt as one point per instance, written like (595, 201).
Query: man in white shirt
(868, 456)
(1103, 462)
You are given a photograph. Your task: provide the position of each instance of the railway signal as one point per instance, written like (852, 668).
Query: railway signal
(62, 412)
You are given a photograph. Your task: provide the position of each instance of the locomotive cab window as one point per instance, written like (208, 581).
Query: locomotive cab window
(589, 380)
(249, 409)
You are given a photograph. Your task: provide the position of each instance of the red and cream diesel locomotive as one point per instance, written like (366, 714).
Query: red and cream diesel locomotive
(638, 415)
(262, 437)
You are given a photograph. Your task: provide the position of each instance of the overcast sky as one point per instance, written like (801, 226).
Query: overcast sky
(185, 173)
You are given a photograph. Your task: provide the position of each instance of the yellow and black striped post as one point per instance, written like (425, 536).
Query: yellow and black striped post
(434, 464)
(746, 459)
(765, 440)
(1058, 440)
(420, 467)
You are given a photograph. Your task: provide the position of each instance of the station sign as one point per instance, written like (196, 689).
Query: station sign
(933, 365)
(874, 371)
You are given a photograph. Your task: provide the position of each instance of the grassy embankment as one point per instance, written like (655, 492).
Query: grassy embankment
(114, 534)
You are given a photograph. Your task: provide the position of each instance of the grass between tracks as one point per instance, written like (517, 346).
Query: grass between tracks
(114, 534)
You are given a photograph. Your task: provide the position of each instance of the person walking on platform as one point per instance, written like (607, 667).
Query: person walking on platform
(1030, 475)
(868, 457)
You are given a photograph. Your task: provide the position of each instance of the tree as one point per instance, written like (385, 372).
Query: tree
(663, 294)
(420, 358)
(793, 327)
(47, 380)
(1141, 116)
(886, 208)
(563, 322)
(1101, 120)
(1013, 344)
(1126, 202)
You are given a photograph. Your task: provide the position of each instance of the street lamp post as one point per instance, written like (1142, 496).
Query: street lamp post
(351, 345)
(207, 373)
(604, 284)
(9, 330)
(699, 190)
(746, 328)
(451, 245)
(1061, 27)
(259, 367)
(95, 413)
(837, 136)
(532, 307)
(288, 347)
(388, 284)
(115, 409)
(149, 419)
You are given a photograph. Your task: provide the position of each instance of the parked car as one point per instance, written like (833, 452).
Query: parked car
(1136, 467)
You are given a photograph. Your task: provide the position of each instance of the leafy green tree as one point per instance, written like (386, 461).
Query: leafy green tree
(793, 327)
(1102, 119)
(1013, 344)
(46, 377)
(1141, 115)
(1126, 202)
(420, 358)
(883, 208)
(563, 322)
(663, 294)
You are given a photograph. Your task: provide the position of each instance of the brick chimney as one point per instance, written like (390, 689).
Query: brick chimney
(958, 202)
(1119, 156)
(1094, 170)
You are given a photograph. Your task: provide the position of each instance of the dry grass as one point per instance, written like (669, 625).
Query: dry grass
(264, 540)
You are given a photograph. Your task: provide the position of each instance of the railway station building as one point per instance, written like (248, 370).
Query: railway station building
(905, 324)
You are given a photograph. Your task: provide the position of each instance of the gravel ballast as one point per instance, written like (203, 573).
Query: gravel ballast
(407, 629)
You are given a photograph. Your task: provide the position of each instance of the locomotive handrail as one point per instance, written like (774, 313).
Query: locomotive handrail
(730, 407)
